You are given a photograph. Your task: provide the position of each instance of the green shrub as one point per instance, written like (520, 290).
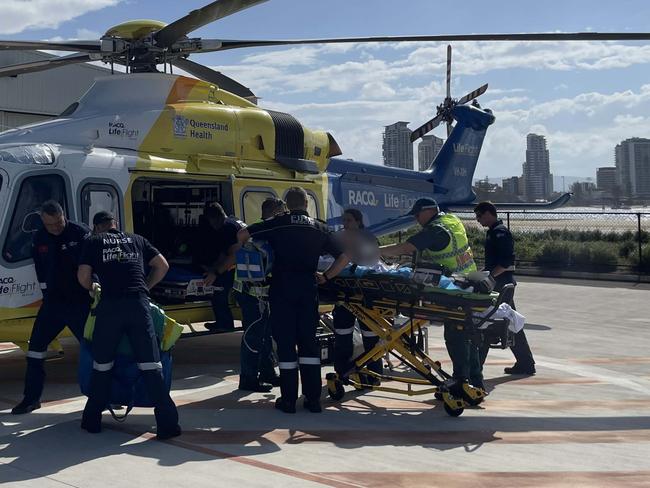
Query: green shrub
(554, 254)
(644, 266)
(627, 249)
(603, 257)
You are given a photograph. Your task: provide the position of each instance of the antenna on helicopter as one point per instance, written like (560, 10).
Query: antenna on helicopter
(444, 111)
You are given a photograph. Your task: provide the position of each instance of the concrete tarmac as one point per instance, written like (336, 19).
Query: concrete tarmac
(582, 421)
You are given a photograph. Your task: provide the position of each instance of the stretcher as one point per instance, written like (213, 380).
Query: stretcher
(377, 300)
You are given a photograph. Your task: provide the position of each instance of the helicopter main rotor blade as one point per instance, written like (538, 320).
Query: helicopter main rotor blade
(472, 95)
(212, 76)
(75, 46)
(45, 64)
(223, 44)
(169, 34)
(428, 127)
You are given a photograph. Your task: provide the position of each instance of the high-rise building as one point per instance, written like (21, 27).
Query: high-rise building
(606, 178)
(538, 180)
(428, 149)
(633, 167)
(397, 146)
(512, 186)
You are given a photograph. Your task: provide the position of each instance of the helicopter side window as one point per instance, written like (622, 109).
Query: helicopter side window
(25, 220)
(252, 204)
(312, 204)
(97, 197)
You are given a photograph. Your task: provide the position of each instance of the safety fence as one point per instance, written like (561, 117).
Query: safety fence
(607, 242)
(591, 242)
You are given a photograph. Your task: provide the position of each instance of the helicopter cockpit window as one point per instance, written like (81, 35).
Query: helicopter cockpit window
(40, 154)
(97, 197)
(25, 220)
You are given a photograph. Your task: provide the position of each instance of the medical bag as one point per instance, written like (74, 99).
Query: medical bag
(127, 386)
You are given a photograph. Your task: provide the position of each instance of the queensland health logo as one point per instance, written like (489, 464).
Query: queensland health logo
(196, 129)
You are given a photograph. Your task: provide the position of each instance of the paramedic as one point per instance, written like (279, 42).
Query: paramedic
(56, 249)
(500, 262)
(257, 371)
(361, 247)
(224, 237)
(118, 259)
(443, 241)
(297, 241)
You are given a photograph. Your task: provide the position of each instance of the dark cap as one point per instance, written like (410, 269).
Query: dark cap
(102, 216)
(423, 204)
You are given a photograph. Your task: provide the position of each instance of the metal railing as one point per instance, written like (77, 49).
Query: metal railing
(582, 241)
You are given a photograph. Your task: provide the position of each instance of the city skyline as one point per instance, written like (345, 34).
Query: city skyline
(584, 96)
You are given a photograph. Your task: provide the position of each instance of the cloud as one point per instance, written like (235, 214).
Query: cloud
(377, 90)
(19, 15)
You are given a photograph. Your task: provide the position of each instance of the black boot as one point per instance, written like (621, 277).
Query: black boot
(164, 408)
(26, 406)
(311, 386)
(34, 381)
(98, 399)
(288, 391)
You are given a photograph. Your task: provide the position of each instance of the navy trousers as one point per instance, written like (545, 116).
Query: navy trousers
(294, 319)
(220, 305)
(130, 316)
(344, 344)
(52, 317)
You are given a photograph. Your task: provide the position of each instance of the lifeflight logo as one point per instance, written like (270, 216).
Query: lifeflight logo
(9, 287)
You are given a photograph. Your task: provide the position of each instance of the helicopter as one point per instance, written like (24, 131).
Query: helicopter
(157, 148)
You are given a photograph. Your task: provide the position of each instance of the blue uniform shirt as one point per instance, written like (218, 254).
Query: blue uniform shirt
(119, 259)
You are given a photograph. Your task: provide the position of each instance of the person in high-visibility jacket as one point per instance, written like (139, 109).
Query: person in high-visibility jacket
(443, 241)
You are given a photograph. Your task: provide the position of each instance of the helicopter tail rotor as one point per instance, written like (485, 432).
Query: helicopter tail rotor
(445, 109)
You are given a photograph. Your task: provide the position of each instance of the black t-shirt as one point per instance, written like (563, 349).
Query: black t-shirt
(56, 259)
(213, 243)
(226, 235)
(118, 259)
(297, 241)
(435, 239)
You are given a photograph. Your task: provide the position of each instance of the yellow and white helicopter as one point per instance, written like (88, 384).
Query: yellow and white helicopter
(156, 148)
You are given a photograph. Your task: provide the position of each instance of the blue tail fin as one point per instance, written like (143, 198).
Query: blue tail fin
(453, 168)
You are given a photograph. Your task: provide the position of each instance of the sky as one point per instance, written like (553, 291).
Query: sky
(585, 97)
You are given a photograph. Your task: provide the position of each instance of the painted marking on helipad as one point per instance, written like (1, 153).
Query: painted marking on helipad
(527, 479)
(324, 479)
(605, 375)
(413, 438)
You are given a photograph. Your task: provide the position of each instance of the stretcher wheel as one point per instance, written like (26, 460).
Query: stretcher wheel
(453, 412)
(471, 395)
(334, 387)
(336, 391)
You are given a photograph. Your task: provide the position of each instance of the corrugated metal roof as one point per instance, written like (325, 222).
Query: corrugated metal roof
(46, 92)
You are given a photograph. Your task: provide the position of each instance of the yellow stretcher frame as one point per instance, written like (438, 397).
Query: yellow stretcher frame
(375, 313)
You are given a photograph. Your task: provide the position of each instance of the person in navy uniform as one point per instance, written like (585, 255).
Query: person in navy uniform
(500, 262)
(221, 243)
(297, 241)
(362, 248)
(119, 259)
(56, 249)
